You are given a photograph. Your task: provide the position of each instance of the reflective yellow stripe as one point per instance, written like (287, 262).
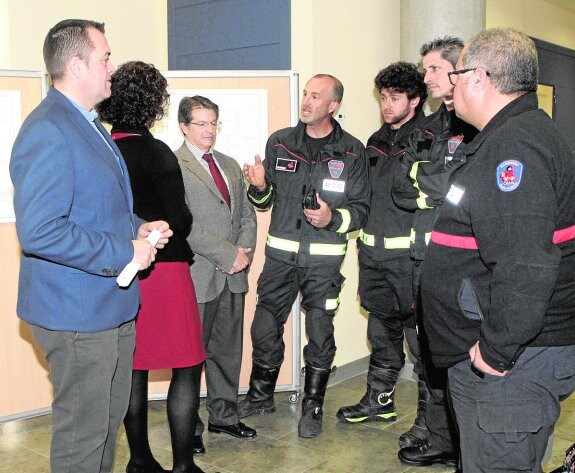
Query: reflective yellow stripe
(388, 243)
(396, 243)
(421, 203)
(331, 304)
(412, 235)
(427, 238)
(281, 244)
(327, 249)
(263, 199)
(314, 249)
(345, 221)
(366, 238)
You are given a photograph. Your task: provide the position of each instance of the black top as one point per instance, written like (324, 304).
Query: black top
(340, 176)
(386, 220)
(158, 189)
(501, 269)
(432, 155)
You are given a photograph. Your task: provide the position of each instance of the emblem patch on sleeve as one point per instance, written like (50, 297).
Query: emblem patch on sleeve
(509, 175)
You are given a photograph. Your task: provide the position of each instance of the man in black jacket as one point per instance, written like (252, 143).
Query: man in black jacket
(316, 177)
(428, 163)
(385, 275)
(497, 288)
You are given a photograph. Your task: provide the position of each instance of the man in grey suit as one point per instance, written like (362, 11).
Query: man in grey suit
(223, 238)
(73, 206)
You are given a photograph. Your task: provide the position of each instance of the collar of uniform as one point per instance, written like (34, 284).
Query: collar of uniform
(521, 104)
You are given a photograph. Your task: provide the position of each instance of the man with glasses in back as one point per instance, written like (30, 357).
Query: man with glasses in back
(497, 286)
(223, 238)
(428, 163)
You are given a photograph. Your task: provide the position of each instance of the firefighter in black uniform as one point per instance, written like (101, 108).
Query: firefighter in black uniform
(320, 167)
(428, 162)
(497, 287)
(385, 274)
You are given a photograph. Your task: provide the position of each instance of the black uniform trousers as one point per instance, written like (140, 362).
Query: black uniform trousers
(222, 324)
(439, 416)
(386, 292)
(505, 422)
(278, 287)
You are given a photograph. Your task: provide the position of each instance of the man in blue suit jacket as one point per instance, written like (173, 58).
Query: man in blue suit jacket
(75, 224)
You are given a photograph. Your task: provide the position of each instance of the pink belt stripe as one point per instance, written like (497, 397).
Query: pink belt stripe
(466, 243)
(565, 234)
(470, 243)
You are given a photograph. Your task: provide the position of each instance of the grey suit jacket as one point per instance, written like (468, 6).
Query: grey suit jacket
(217, 231)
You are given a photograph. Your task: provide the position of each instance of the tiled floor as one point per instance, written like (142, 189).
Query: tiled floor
(370, 448)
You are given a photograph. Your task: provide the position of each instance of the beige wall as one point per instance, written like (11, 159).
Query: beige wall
(549, 20)
(136, 29)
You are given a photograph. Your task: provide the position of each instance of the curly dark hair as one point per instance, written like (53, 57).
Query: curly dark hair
(139, 97)
(403, 77)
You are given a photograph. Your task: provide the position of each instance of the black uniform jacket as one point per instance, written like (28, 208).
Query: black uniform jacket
(387, 224)
(158, 189)
(501, 262)
(430, 159)
(339, 173)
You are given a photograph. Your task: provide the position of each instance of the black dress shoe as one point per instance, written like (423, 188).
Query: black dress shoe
(426, 455)
(239, 430)
(198, 446)
(152, 467)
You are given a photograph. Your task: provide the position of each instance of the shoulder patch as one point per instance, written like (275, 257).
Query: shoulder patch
(453, 143)
(509, 174)
(335, 167)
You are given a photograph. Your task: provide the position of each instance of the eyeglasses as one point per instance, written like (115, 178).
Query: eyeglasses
(462, 71)
(215, 124)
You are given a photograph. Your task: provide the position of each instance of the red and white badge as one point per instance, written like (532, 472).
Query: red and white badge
(509, 175)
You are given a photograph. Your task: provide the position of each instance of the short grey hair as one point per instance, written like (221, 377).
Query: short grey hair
(508, 55)
(337, 86)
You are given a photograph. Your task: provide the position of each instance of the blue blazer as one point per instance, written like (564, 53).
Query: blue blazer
(74, 221)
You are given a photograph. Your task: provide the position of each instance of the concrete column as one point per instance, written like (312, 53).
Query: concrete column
(424, 20)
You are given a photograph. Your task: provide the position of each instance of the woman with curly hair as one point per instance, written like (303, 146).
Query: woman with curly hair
(168, 328)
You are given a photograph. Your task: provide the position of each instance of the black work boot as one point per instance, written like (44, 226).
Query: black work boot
(418, 432)
(311, 415)
(377, 403)
(260, 396)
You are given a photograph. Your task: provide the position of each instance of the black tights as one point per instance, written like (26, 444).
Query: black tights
(183, 403)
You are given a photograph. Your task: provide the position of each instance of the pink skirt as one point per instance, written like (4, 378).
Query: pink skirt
(168, 327)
